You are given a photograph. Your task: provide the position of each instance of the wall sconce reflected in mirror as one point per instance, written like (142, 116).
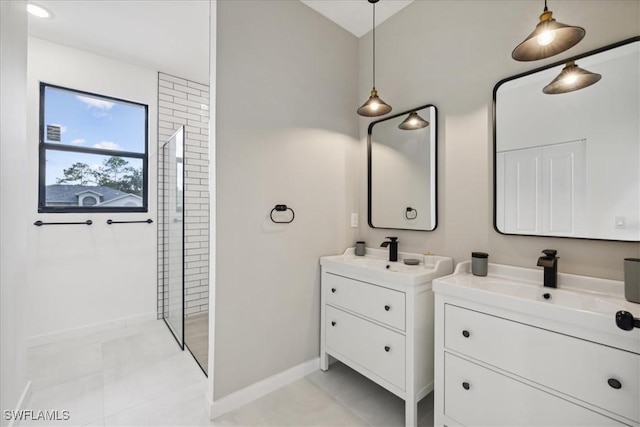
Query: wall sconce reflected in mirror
(413, 122)
(571, 78)
(549, 38)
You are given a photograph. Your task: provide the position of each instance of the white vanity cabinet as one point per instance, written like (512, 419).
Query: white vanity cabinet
(378, 320)
(503, 357)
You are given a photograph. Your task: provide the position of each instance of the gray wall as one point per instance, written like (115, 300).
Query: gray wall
(286, 95)
(451, 54)
(13, 222)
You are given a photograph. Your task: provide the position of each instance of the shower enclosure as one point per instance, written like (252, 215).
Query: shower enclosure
(173, 230)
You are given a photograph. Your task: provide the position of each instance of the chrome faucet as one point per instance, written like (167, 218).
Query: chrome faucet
(393, 248)
(550, 263)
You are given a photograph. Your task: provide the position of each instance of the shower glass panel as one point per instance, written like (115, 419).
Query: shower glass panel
(173, 197)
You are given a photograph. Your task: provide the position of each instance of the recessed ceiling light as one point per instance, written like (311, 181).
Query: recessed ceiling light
(38, 11)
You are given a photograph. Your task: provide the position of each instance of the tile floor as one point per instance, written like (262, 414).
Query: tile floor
(137, 376)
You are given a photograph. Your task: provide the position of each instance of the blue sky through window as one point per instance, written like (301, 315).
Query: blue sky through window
(91, 121)
(95, 122)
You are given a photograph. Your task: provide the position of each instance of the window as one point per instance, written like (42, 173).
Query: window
(93, 152)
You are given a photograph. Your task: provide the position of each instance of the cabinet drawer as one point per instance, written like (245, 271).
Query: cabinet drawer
(476, 396)
(382, 304)
(579, 368)
(371, 346)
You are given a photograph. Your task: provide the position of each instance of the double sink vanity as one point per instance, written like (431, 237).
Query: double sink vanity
(506, 349)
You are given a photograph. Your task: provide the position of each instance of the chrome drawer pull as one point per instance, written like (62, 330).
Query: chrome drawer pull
(333, 323)
(614, 383)
(387, 307)
(466, 386)
(387, 348)
(465, 334)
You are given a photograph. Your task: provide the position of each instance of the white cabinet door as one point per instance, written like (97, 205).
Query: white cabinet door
(543, 189)
(579, 368)
(377, 349)
(375, 302)
(476, 396)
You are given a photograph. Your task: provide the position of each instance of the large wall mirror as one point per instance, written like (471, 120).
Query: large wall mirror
(568, 165)
(402, 170)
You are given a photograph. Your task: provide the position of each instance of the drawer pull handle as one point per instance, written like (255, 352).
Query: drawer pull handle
(387, 307)
(614, 383)
(333, 290)
(466, 386)
(387, 348)
(466, 334)
(333, 323)
(626, 321)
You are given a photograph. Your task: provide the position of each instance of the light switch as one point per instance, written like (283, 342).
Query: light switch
(354, 220)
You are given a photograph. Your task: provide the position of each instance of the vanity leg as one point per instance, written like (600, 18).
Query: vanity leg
(324, 361)
(411, 412)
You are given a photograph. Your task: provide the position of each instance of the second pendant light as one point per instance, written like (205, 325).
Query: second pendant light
(549, 38)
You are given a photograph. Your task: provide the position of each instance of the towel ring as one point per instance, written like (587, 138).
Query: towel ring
(408, 211)
(282, 208)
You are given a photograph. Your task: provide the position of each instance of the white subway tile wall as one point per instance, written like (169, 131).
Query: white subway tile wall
(186, 103)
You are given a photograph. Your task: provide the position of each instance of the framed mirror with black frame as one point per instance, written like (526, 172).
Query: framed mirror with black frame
(567, 160)
(402, 170)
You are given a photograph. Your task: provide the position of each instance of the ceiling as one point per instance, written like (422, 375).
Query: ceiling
(355, 16)
(170, 35)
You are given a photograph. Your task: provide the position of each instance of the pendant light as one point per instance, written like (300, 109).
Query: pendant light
(571, 78)
(549, 38)
(413, 122)
(374, 105)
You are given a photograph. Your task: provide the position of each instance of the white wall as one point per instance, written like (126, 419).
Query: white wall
(13, 246)
(286, 99)
(451, 54)
(82, 276)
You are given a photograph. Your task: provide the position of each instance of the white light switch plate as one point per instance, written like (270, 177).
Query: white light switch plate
(354, 220)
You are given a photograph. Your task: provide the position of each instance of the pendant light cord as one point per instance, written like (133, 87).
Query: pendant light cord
(374, 45)
(545, 6)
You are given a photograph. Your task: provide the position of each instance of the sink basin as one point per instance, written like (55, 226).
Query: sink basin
(578, 301)
(375, 265)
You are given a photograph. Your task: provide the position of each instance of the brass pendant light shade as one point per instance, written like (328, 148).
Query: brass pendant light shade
(570, 79)
(549, 38)
(374, 106)
(413, 122)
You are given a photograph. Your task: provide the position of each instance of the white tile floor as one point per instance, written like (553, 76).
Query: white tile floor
(137, 376)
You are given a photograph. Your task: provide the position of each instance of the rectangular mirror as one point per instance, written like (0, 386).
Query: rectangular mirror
(568, 165)
(402, 170)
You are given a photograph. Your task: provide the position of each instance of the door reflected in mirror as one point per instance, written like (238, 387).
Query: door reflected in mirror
(402, 170)
(568, 164)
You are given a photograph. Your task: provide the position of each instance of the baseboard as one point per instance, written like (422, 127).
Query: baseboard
(24, 397)
(261, 388)
(89, 329)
